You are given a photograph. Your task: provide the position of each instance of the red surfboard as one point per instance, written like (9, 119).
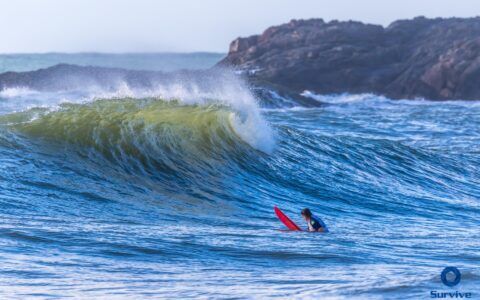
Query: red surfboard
(285, 220)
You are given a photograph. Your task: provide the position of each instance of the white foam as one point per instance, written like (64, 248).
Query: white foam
(369, 97)
(341, 98)
(13, 92)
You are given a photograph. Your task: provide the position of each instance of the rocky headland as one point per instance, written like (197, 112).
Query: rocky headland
(434, 59)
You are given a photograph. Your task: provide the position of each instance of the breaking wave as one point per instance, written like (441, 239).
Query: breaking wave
(200, 108)
(141, 128)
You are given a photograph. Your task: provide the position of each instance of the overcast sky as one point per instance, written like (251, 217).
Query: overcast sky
(184, 25)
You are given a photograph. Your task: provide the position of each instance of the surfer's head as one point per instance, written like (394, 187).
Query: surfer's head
(306, 213)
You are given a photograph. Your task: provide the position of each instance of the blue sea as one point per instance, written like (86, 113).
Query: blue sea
(169, 192)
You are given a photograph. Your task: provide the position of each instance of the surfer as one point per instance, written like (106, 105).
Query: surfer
(314, 224)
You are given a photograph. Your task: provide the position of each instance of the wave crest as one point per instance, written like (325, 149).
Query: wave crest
(147, 131)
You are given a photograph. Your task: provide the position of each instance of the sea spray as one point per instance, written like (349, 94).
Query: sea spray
(225, 89)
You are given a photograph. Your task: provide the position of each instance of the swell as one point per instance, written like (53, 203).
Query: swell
(197, 152)
(137, 133)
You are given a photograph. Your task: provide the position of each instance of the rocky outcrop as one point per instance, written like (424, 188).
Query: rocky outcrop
(428, 58)
(65, 77)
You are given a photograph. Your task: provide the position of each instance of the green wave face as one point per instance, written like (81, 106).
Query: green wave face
(146, 130)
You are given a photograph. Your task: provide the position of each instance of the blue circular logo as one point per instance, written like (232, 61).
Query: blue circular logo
(450, 281)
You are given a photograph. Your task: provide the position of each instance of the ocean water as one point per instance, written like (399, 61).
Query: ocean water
(132, 61)
(141, 194)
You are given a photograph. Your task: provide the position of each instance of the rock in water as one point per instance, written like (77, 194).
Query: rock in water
(429, 58)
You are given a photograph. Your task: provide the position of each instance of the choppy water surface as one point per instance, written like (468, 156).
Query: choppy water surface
(128, 197)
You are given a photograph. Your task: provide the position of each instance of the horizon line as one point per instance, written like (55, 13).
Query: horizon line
(114, 53)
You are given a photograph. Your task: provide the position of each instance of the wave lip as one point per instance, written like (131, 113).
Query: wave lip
(81, 85)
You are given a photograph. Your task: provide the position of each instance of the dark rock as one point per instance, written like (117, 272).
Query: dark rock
(72, 77)
(428, 58)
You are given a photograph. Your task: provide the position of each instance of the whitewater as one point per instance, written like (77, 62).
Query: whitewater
(119, 191)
